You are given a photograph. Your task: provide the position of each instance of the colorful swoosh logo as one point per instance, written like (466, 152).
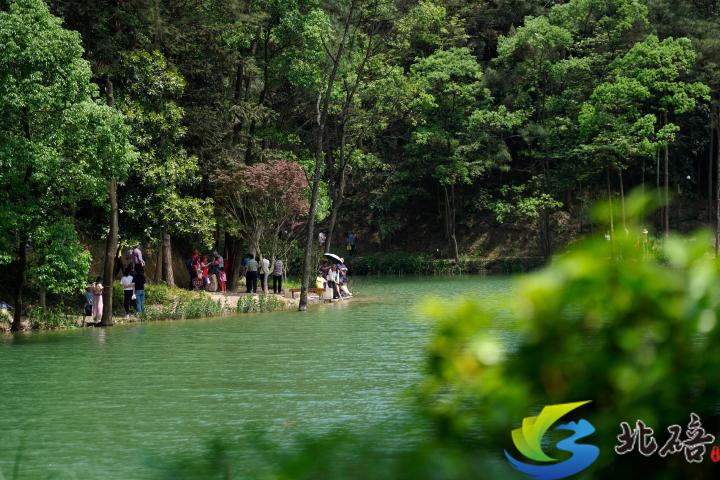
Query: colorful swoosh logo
(528, 438)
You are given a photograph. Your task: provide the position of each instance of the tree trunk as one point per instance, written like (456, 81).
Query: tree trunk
(336, 204)
(344, 157)
(321, 114)
(446, 214)
(235, 254)
(42, 294)
(642, 178)
(610, 203)
(19, 285)
(452, 224)
(660, 213)
(711, 156)
(159, 262)
(218, 237)
(110, 248)
(622, 201)
(717, 183)
(309, 241)
(112, 240)
(666, 212)
(167, 261)
(545, 215)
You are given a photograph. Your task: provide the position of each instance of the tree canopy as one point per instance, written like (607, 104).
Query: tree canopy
(432, 119)
(58, 145)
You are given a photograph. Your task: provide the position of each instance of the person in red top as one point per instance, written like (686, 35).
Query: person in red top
(192, 267)
(204, 272)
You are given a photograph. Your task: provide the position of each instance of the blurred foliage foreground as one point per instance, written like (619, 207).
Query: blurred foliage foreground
(629, 327)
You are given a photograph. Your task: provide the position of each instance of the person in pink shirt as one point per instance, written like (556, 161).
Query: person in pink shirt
(223, 279)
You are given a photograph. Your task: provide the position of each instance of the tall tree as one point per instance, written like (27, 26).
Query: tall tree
(155, 200)
(356, 112)
(59, 145)
(451, 89)
(661, 68)
(334, 48)
(265, 202)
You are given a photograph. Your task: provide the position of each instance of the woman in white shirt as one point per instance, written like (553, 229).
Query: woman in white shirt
(333, 277)
(128, 286)
(264, 273)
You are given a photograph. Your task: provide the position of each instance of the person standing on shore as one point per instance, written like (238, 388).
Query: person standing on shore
(97, 302)
(205, 272)
(333, 278)
(139, 282)
(264, 272)
(192, 268)
(351, 239)
(244, 263)
(137, 258)
(87, 309)
(222, 278)
(277, 276)
(251, 275)
(220, 261)
(126, 282)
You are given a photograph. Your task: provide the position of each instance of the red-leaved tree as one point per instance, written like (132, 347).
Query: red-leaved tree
(262, 203)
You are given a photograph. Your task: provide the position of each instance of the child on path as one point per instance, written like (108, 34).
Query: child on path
(223, 279)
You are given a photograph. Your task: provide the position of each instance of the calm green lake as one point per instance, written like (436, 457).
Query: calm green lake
(99, 403)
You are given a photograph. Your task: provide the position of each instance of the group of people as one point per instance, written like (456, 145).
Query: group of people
(207, 272)
(132, 283)
(259, 266)
(335, 277)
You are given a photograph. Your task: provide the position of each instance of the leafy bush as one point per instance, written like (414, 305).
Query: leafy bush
(58, 261)
(51, 319)
(202, 307)
(161, 312)
(261, 303)
(634, 332)
(180, 304)
(158, 294)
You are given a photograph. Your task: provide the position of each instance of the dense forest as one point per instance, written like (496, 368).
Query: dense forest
(443, 126)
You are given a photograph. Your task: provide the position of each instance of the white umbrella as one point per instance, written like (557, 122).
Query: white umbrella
(334, 258)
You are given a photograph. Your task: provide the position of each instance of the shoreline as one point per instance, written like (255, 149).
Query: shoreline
(228, 304)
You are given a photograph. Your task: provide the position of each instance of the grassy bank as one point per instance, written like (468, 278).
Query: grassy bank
(161, 303)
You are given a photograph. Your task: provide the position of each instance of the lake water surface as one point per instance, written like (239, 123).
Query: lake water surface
(97, 403)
